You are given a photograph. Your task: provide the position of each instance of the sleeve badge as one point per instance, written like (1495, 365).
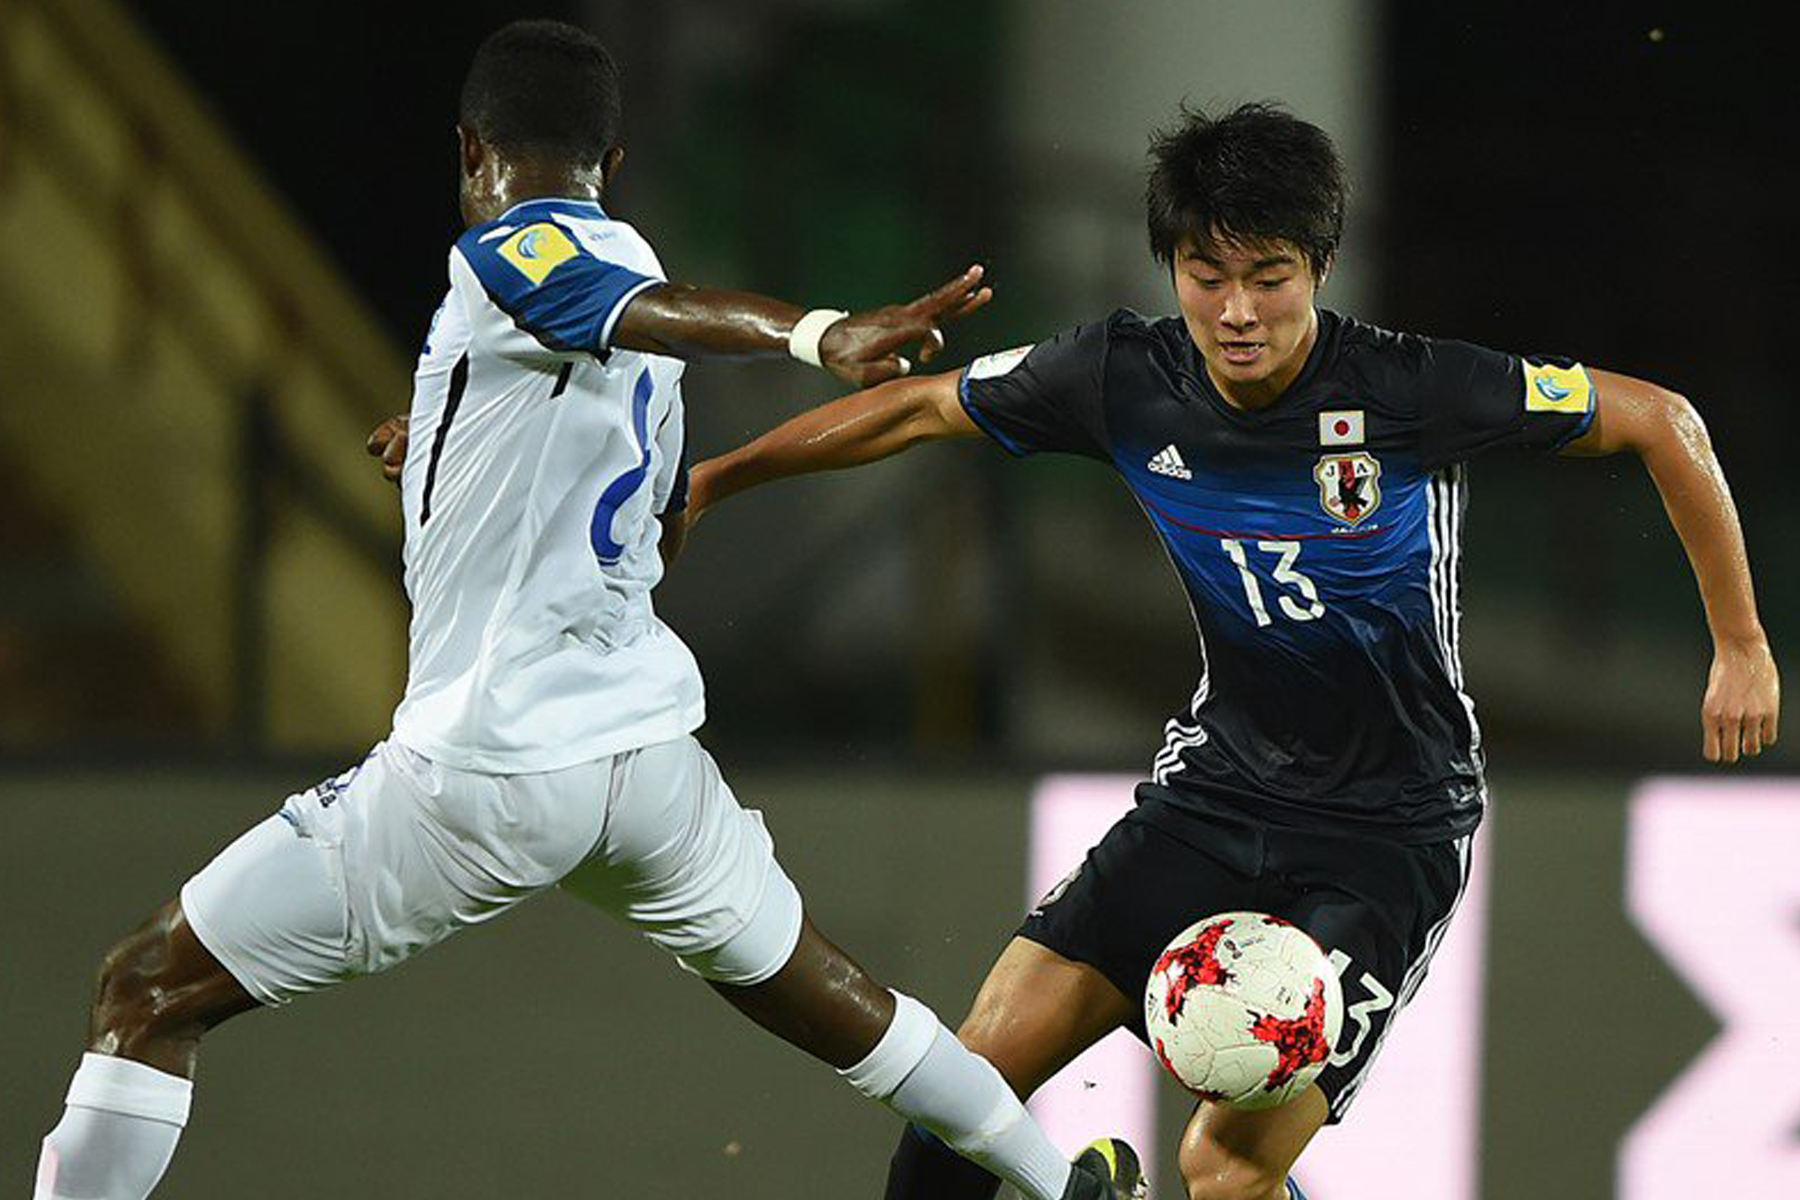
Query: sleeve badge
(1550, 388)
(990, 365)
(537, 250)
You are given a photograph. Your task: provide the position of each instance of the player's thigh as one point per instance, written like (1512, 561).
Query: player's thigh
(1086, 950)
(269, 909)
(428, 850)
(683, 863)
(1037, 1010)
(1233, 1154)
(364, 870)
(1379, 910)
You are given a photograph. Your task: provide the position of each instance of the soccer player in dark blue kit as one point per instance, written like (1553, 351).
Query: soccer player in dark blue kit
(1305, 472)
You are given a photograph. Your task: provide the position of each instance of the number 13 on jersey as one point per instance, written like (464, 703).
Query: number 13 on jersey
(1307, 607)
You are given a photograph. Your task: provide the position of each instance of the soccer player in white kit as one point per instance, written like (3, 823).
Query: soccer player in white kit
(546, 733)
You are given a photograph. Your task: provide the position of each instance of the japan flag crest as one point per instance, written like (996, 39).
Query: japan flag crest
(1349, 485)
(1341, 427)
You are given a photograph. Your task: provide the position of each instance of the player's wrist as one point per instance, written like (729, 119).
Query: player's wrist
(703, 484)
(1753, 644)
(809, 331)
(1738, 633)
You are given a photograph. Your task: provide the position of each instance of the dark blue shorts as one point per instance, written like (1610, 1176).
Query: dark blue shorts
(1377, 907)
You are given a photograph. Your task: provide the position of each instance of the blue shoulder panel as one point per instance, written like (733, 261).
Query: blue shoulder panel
(541, 276)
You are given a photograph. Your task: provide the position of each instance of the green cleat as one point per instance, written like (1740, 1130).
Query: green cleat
(1107, 1170)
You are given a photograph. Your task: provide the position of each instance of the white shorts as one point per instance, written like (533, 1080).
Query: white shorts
(365, 870)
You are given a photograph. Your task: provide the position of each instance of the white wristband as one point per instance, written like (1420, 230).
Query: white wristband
(803, 339)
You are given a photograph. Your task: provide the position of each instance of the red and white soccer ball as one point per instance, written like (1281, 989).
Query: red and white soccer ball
(1244, 1008)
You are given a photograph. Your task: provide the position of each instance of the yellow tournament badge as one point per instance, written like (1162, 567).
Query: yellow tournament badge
(1550, 388)
(537, 250)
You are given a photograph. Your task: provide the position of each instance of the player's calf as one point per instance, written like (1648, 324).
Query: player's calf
(893, 1049)
(1235, 1181)
(1235, 1154)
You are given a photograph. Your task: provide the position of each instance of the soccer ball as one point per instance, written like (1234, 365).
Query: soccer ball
(1243, 1008)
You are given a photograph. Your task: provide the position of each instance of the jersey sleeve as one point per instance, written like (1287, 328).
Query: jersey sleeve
(1043, 397)
(1472, 400)
(561, 297)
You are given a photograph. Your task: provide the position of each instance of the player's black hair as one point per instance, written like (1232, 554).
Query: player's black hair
(1256, 174)
(543, 87)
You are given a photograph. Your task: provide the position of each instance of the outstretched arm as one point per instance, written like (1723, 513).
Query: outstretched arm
(685, 321)
(857, 429)
(1741, 710)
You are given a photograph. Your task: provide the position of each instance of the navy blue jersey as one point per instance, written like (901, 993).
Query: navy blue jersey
(1318, 540)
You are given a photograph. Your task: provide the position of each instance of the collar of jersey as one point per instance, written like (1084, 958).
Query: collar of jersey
(1315, 358)
(544, 206)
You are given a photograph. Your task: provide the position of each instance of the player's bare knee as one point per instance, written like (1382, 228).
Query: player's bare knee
(124, 998)
(978, 1031)
(135, 1002)
(1211, 1172)
(1017, 1061)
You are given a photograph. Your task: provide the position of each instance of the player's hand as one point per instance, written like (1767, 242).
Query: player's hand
(699, 497)
(865, 348)
(388, 443)
(1743, 700)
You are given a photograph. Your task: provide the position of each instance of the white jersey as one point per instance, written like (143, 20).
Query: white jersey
(538, 462)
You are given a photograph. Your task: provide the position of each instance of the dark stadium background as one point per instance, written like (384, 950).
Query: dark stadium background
(1605, 184)
(1551, 179)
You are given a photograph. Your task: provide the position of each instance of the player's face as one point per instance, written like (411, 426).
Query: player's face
(1249, 309)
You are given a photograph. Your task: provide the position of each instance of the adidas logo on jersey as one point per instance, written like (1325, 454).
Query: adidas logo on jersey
(1168, 462)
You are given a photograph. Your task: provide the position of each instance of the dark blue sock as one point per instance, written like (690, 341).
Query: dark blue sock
(1294, 1192)
(923, 1168)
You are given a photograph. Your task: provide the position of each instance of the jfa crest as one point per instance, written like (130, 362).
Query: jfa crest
(1349, 485)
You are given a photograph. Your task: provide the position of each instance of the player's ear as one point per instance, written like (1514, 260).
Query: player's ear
(609, 164)
(1324, 274)
(470, 149)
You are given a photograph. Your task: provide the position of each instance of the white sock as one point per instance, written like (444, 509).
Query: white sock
(117, 1134)
(922, 1072)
